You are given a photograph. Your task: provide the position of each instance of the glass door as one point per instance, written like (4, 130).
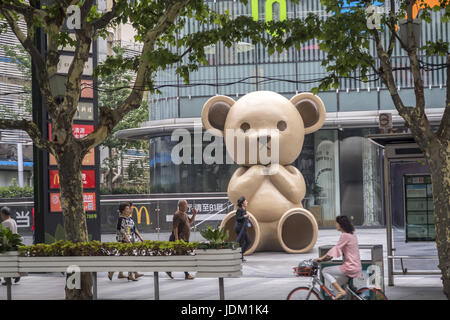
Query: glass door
(419, 209)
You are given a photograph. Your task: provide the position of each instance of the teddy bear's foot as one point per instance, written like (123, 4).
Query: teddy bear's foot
(254, 231)
(297, 231)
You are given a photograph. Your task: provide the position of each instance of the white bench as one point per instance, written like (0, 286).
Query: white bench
(405, 271)
(211, 263)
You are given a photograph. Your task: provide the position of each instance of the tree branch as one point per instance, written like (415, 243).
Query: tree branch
(163, 23)
(392, 27)
(415, 67)
(53, 28)
(185, 53)
(108, 119)
(106, 18)
(32, 129)
(27, 42)
(414, 119)
(388, 78)
(84, 37)
(22, 8)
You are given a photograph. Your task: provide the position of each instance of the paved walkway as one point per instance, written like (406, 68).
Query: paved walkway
(266, 276)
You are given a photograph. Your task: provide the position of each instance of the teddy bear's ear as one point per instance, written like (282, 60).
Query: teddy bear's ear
(311, 109)
(214, 114)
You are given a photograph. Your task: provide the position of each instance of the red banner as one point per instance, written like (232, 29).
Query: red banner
(79, 130)
(88, 160)
(88, 200)
(87, 90)
(88, 177)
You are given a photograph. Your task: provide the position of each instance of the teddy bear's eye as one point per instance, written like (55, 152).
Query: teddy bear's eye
(281, 125)
(245, 126)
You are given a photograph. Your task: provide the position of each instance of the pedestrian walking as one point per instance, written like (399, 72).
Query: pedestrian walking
(240, 227)
(126, 233)
(8, 223)
(181, 228)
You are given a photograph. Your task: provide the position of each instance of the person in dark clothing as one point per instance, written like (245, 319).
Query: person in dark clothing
(240, 226)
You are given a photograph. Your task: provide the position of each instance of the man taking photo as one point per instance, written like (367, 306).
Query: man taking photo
(182, 228)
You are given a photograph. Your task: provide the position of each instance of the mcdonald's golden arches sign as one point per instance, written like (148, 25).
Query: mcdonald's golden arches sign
(139, 214)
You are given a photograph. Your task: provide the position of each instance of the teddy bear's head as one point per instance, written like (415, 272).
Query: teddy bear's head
(266, 118)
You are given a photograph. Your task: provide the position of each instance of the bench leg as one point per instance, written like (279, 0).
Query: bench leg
(404, 270)
(221, 289)
(94, 280)
(8, 288)
(156, 284)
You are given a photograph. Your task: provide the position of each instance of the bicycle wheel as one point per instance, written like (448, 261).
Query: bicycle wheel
(301, 293)
(371, 294)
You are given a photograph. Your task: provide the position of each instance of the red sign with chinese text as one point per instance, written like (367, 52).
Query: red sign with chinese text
(88, 177)
(87, 89)
(88, 200)
(79, 130)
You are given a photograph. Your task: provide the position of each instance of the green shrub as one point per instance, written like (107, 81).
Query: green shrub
(224, 245)
(217, 239)
(16, 192)
(215, 235)
(96, 248)
(9, 241)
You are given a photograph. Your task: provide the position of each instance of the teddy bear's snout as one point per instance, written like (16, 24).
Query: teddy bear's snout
(264, 139)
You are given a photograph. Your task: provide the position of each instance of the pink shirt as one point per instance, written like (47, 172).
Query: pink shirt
(348, 245)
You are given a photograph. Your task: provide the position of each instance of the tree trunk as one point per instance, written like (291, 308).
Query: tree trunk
(439, 164)
(75, 225)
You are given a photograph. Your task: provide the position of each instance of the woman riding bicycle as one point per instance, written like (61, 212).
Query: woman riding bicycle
(348, 246)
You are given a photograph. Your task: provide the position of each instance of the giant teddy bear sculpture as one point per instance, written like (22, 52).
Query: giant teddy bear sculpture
(274, 191)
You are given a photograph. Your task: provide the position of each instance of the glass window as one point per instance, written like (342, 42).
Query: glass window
(434, 98)
(326, 162)
(329, 100)
(205, 76)
(318, 163)
(231, 80)
(407, 95)
(360, 177)
(273, 75)
(343, 175)
(167, 177)
(192, 107)
(358, 101)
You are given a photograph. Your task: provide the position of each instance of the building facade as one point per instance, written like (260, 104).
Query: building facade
(16, 149)
(343, 169)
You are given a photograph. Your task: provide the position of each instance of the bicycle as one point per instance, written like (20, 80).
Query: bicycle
(309, 268)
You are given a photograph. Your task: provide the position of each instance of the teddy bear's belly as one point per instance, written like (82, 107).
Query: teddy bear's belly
(268, 204)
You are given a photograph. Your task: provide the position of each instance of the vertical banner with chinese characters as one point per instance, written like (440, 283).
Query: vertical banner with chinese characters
(48, 212)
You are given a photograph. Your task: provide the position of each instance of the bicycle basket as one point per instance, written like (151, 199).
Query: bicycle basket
(306, 268)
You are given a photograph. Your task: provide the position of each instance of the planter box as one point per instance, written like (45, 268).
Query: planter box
(219, 263)
(209, 263)
(9, 264)
(108, 263)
